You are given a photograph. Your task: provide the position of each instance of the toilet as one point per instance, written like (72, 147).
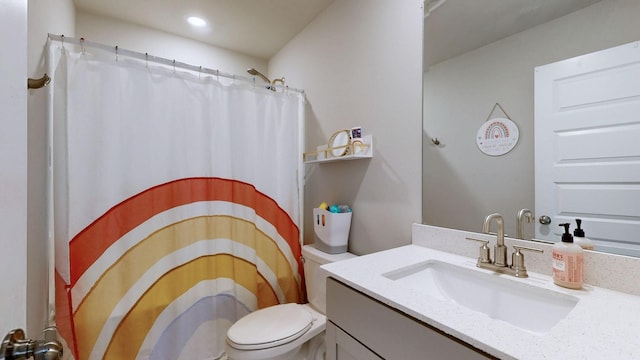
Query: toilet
(264, 335)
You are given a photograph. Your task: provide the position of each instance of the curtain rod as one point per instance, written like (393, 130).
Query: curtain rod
(159, 60)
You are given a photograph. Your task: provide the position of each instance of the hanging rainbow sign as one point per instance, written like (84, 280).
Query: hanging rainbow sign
(497, 136)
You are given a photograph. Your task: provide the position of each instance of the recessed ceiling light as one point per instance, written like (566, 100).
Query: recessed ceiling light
(196, 21)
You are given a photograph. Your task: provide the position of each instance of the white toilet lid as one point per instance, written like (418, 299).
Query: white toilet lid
(269, 327)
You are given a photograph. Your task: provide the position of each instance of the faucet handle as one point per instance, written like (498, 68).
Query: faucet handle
(485, 252)
(517, 260)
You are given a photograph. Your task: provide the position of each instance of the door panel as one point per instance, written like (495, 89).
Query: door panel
(587, 147)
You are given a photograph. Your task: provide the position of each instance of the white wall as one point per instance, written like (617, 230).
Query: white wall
(13, 164)
(110, 31)
(360, 63)
(45, 16)
(461, 184)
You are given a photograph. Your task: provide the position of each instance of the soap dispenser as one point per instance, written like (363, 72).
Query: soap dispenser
(567, 262)
(578, 237)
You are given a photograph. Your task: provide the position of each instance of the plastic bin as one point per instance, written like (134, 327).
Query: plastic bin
(332, 230)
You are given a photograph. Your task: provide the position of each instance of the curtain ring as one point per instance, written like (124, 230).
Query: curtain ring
(116, 53)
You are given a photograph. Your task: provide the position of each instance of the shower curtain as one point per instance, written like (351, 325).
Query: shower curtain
(175, 205)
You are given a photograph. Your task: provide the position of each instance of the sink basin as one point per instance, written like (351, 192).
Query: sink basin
(526, 306)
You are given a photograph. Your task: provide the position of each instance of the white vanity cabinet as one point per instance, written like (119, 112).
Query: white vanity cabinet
(361, 328)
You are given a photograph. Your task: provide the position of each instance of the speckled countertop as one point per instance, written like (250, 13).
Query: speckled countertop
(604, 324)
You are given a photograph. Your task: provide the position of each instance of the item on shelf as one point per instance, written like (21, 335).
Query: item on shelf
(339, 143)
(356, 132)
(337, 209)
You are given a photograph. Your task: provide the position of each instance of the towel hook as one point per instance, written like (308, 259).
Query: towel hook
(38, 83)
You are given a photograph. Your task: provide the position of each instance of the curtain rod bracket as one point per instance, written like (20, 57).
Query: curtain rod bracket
(38, 83)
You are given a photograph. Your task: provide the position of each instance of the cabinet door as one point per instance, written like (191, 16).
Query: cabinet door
(341, 346)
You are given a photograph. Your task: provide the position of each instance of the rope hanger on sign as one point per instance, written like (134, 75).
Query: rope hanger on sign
(497, 105)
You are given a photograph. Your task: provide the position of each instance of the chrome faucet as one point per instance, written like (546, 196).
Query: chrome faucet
(500, 250)
(500, 264)
(16, 347)
(523, 214)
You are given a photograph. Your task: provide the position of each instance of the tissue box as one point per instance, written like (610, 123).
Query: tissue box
(332, 230)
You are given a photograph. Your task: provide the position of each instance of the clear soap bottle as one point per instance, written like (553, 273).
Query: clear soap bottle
(567, 262)
(578, 237)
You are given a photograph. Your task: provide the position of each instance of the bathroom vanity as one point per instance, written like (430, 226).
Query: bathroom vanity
(364, 328)
(422, 302)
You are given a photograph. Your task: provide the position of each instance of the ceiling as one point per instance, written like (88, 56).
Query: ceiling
(454, 27)
(254, 27)
(262, 27)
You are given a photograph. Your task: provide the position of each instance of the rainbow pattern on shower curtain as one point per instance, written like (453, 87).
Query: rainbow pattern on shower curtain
(176, 204)
(156, 267)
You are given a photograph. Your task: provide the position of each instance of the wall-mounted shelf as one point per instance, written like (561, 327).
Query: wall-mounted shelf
(356, 149)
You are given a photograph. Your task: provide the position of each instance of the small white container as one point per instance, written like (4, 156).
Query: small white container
(578, 237)
(332, 230)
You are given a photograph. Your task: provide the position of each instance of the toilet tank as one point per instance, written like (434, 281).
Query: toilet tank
(315, 278)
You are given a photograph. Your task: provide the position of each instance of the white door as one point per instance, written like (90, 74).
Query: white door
(587, 147)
